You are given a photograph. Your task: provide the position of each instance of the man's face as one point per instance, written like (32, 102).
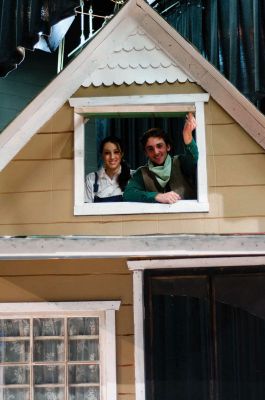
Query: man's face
(156, 150)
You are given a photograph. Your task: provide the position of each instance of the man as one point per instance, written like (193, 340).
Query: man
(165, 179)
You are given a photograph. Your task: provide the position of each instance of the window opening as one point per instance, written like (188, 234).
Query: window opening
(129, 117)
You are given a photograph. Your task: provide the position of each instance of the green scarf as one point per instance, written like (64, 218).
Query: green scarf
(162, 172)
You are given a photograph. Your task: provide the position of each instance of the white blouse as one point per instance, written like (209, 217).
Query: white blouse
(106, 186)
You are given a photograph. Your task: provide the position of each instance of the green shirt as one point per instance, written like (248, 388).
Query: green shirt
(135, 189)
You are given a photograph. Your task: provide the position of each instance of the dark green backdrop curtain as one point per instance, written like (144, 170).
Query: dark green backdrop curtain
(130, 131)
(20, 24)
(230, 34)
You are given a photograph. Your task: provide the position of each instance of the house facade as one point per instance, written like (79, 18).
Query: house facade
(132, 301)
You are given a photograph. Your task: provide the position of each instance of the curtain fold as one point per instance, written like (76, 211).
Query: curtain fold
(130, 131)
(230, 34)
(205, 336)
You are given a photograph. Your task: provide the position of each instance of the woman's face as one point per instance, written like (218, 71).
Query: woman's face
(111, 156)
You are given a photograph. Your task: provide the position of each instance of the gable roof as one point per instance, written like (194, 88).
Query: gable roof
(135, 16)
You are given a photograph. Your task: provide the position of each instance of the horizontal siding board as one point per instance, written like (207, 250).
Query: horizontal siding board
(124, 320)
(236, 170)
(70, 267)
(125, 379)
(125, 349)
(188, 226)
(63, 145)
(247, 225)
(88, 227)
(21, 208)
(242, 201)
(27, 176)
(48, 146)
(61, 121)
(216, 115)
(38, 148)
(66, 288)
(230, 139)
(203, 225)
(125, 396)
(62, 175)
(57, 208)
(37, 175)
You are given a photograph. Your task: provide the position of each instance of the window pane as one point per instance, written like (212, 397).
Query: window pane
(14, 327)
(84, 394)
(84, 350)
(49, 394)
(14, 375)
(44, 374)
(48, 350)
(14, 394)
(48, 327)
(83, 326)
(83, 374)
(15, 351)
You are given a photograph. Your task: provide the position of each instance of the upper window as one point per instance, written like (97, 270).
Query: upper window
(58, 353)
(128, 118)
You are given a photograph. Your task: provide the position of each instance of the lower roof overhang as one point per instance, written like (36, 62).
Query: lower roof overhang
(143, 247)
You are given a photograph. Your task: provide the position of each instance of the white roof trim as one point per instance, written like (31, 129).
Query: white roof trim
(57, 308)
(186, 57)
(74, 247)
(83, 102)
(137, 60)
(196, 262)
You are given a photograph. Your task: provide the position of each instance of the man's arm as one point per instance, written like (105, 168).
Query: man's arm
(135, 190)
(189, 126)
(189, 159)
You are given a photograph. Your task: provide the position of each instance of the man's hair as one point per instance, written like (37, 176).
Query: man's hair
(155, 132)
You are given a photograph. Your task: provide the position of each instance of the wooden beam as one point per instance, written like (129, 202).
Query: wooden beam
(157, 246)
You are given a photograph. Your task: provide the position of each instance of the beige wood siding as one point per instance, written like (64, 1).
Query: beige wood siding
(36, 188)
(79, 280)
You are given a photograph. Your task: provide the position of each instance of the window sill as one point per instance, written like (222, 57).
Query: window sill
(122, 208)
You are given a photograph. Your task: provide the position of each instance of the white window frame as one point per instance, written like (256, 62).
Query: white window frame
(147, 103)
(105, 310)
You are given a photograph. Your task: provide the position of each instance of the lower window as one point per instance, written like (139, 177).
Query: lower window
(205, 336)
(54, 356)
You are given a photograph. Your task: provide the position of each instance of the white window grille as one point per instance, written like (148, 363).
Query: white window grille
(58, 351)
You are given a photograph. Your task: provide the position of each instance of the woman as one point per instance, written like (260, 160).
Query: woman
(108, 183)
